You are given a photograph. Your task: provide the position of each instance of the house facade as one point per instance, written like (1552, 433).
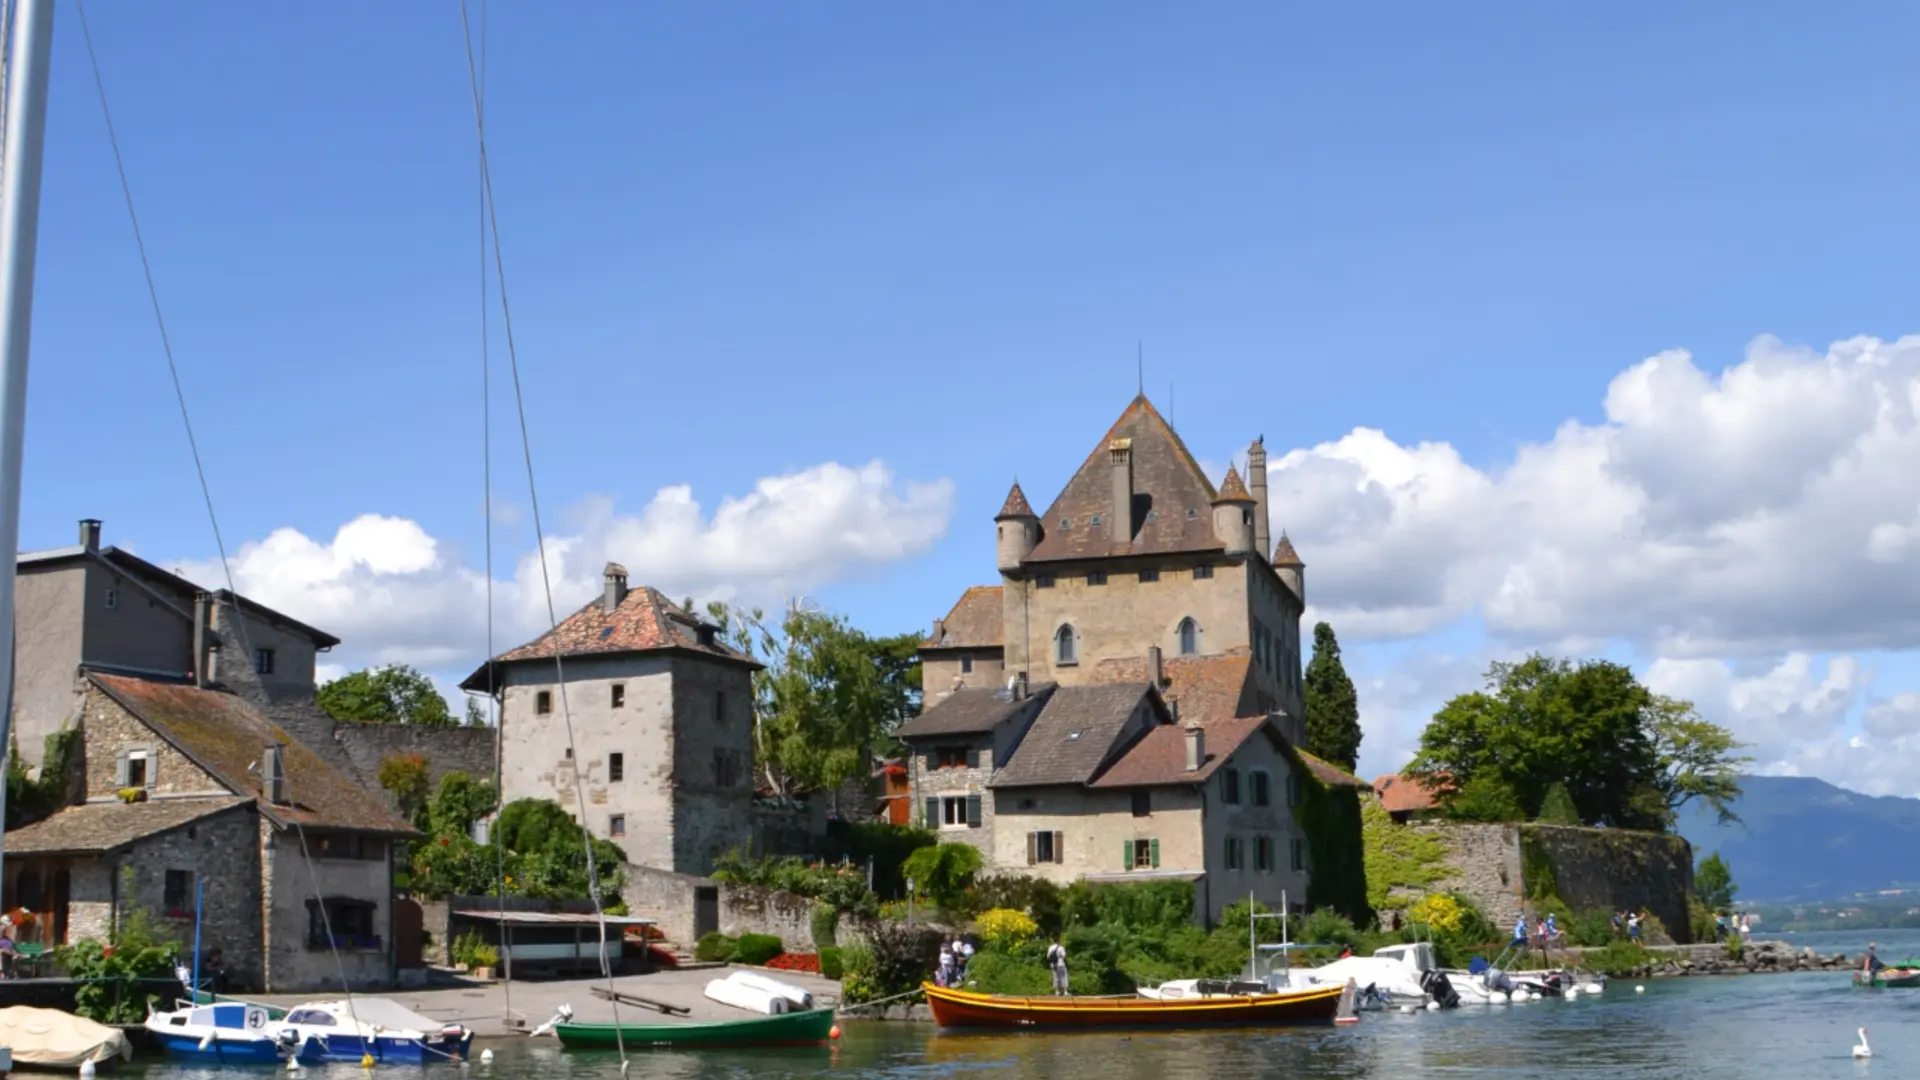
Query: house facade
(661, 714)
(1132, 710)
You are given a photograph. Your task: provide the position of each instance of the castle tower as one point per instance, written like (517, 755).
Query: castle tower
(1018, 529)
(1293, 572)
(1233, 515)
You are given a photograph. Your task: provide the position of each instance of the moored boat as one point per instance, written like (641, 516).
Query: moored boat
(965, 1009)
(808, 1028)
(1902, 976)
(223, 1033)
(379, 1028)
(52, 1039)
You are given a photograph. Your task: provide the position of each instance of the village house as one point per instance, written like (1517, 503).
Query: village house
(661, 714)
(1132, 684)
(1405, 799)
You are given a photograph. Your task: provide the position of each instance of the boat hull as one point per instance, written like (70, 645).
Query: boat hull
(233, 1049)
(385, 1049)
(961, 1009)
(1889, 979)
(809, 1028)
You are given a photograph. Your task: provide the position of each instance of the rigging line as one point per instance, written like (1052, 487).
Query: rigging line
(206, 491)
(540, 537)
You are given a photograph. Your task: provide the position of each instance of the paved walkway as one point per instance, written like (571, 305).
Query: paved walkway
(483, 1006)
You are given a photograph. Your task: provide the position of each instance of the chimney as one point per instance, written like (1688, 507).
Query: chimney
(1156, 672)
(273, 775)
(90, 533)
(1120, 514)
(1257, 481)
(1196, 747)
(1020, 687)
(202, 602)
(616, 587)
(939, 630)
(1173, 708)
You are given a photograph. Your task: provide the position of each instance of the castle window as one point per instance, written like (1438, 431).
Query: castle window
(1202, 573)
(1142, 803)
(1153, 515)
(113, 598)
(619, 694)
(263, 661)
(616, 767)
(1094, 520)
(1230, 786)
(1299, 855)
(543, 702)
(1044, 581)
(1261, 783)
(617, 825)
(1192, 514)
(1189, 637)
(1149, 575)
(1064, 651)
(1065, 524)
(1097, 577)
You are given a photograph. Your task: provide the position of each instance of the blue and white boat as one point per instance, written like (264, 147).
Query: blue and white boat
(381, 1028)
(228, 1032)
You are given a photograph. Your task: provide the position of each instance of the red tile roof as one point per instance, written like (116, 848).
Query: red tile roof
(1206, 688)
(1403, 794)
(1173, 500)
(1016, 505)
(644, 621)
(1076, 734)
(974, 622)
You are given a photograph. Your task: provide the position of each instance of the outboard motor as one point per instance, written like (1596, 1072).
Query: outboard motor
(1553, 985)
(1439, 989)
(1499, 980)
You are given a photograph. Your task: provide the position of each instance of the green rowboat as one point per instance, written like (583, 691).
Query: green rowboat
(1902, 976)
(784, 1029)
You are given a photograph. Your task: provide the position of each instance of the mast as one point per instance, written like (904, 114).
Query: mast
(29, 55)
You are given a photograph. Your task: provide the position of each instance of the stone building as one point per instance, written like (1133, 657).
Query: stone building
(179, 784)
(1138, 687)
(661, 711)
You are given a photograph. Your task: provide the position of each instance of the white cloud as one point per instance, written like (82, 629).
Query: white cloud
(1775, 710)
(395, 594)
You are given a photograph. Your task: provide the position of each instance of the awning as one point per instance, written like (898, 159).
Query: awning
(550, 918)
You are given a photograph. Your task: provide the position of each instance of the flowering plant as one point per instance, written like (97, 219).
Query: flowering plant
(807, 963)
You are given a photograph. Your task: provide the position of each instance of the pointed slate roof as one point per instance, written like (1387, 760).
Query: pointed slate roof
(645, 621)
(1016, 505)
(1283, 553)
(1172, 502)
(974, 622)
(1233, 489)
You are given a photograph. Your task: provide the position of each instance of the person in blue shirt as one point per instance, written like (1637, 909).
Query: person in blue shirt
(1520, 930)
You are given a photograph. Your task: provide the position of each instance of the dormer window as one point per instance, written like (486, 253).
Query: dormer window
(1093, 521)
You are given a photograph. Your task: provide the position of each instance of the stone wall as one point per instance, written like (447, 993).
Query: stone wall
(110, 732)
(669, 899)
(461, 749)
(1483, 863)
(289, 882)
(222, 851)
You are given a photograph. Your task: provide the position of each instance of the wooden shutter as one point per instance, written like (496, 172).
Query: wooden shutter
(1033, 843)
(120, 768)
(973, 757)
(933, 812)
(153, 763)
(933, 760)
(1154, 845)
(973, 811)
(1060, 847)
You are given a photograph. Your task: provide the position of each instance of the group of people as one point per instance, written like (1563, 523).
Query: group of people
(1546, 933)
(1725, 925)
(953, 963)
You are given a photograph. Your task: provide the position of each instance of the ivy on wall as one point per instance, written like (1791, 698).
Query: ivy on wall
(31, 798)
(1398, 857)
(1330, 816)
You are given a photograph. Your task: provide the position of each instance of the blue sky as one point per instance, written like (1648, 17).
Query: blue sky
(745, 241)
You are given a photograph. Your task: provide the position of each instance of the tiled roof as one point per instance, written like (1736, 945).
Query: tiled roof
(974, 622)
(1016, 505)
(1172, 503)
(224, 735)
(1403, 794)
(1283, 553)
(1161, 757)
(1080, 728)
(108, 826)
(972, 712)
(1233, 489)
(645, 621)
(1206, 688)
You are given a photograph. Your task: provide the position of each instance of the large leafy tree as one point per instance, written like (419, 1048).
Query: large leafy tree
(390, 695)
(1333, 709)
(1623, 753)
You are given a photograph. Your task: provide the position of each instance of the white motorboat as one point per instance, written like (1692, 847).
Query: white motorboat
(364, 1027)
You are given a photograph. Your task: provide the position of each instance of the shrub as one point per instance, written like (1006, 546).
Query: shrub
(825, 924)
(1006, 929)
(841, 886)
(757, 948)
(1593, 928)
(883, 846)
(856, 989)
(996, 973)
(1038, 897)
(109, 975)
(901, 957)
(944, 872)
(832, 963)
(1484, 798)
(1618, 958)
(1557, 808)
(715, 948)
(1158, 905)
(472, 950)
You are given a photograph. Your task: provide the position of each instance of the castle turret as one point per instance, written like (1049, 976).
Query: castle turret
(1293, 572)
(1018, 528)
(1257, 485)
(1233, 515)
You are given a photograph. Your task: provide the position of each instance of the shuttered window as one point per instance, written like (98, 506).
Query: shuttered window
(1142, 854)
(973, 811)
(1045, 847)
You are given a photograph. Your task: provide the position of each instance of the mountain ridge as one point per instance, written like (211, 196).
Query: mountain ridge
(1800, 838)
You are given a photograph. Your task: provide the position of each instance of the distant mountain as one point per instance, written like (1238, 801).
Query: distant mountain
(1804, 839)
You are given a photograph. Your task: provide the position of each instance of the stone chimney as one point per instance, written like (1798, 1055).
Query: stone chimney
(939, 630)
(1120, 514)
(1020, 687)
(615, 589)
(1196, 747)
(90, 533)
(1257, 484)
(1173, 708)
(1156, 671)
(202, 648)
(273, 774)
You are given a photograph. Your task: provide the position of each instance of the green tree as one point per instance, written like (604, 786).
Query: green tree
(897, 659)
(944, 872)
(1557, 808)
(1713, 883)
(405, 777)
(390, 695)
(1486, 797)
(1332, 708)
(1697, 759)
(476, 713)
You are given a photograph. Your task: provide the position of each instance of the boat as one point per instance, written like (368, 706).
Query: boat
(52, 1039)
(966, 1009)
(220, 1033)
(363, 1027)
(1904, 975)
(809, 1028)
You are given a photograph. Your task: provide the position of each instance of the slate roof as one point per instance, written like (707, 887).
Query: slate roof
(1073, 736)
(1403, 794)
(974, 622)
(1207, 688)
(1283, 553)
(1161, 757)
(1233, 489)
(645, 621)
(97, 828)
(972, 712)
(1172, 503)
(1016, 505)
(223, 734)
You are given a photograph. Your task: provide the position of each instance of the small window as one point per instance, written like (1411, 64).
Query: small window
(1044, 581)
(952, 757)
(1236, 853)
(960, 811)
(569, 753)
(1094, 520)
(1189, 637)
(1142, 803)
(543, 702)
(138, 769)
(1149, 576)
(725, 769)
(1230, 786)
(1192, 514)
(263, 661)
(1045, 847)
(1202, 573)
(1064, 651)
(966, 665)
(617, 825)
(1263, 854)
(112, 598)
(616, 767)
(176, 898)
(1299, 855)
(1262, 788)
(1097, 577)
(1293, 790)
(1153, 515)
(619, 694)
(1066, 524)
(1146, 854)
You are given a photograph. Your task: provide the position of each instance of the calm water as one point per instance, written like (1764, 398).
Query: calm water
(1761, 1025)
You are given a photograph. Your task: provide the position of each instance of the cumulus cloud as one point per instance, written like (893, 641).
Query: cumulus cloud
(396, 594)
(1775, 710)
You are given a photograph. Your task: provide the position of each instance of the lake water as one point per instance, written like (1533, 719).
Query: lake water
(1798, 1025)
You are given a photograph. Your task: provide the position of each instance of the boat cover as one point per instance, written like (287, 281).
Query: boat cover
(384, 1013)
(55, 1039)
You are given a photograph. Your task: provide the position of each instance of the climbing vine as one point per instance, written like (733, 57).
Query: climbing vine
(1398, 857)
(1330, 816)
(1537, 875)
(31, 798)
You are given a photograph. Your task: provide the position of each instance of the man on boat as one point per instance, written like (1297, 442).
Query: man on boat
(1057, 962)
(1872, 965)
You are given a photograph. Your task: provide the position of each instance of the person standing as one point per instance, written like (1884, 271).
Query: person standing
(1746, 928)
(1057, 963)
(1633, 928)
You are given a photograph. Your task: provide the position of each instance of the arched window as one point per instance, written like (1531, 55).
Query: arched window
(1063, 646)
(1189, 637)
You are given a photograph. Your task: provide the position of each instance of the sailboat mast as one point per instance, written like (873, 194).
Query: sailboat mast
(29, 55)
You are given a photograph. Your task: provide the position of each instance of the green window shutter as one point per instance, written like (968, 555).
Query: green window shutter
(933, 812)
(1155, 845)
(1126, 854)
(973, 811)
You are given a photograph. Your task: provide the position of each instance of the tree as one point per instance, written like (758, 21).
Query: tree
(390, 695)
(1713, 883)
(1697, 759)
(405, 776)
(943, 872)
(1484, 798)
(1333, 710)
(476, 713)
(1557, 808)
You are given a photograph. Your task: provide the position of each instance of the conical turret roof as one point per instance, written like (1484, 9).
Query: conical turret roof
(1283, 553)
(1016, 505)
(1232, 489)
